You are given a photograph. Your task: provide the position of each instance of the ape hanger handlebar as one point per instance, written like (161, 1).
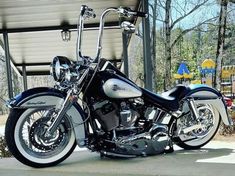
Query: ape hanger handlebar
(86, 13)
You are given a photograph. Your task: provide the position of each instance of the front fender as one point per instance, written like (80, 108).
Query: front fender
(45, 97)
(205, 94)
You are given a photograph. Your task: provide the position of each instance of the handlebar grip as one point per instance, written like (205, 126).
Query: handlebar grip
(141, 14)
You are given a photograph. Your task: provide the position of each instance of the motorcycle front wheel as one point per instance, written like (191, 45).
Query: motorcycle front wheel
(209, 118)
(26, 139)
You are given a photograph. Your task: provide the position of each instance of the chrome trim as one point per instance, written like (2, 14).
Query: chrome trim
(208, 97)
(105, 65)
(101, 30)
(220, 107)
(62, 111)
(191, 128)
(193, 107)
(83, 76)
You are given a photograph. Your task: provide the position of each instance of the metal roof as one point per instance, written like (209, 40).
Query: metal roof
(34, 30)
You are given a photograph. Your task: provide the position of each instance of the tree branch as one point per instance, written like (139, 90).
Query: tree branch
(160, 20)
(177, 10)
(187, 14)
(160, 4)
(190, 29)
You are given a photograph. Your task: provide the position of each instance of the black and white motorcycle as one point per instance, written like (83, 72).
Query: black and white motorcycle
(94, 105)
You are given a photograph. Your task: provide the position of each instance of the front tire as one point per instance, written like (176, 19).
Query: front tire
(24, 136)
(209, 117)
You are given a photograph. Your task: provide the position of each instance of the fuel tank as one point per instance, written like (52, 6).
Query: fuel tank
(119, 88)
(110, 82)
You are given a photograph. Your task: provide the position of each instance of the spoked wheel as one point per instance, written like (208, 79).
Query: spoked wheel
(27, 139)
(209, 119)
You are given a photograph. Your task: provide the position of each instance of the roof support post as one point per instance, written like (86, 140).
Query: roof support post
(146, 48)
(8, 64)
(125, 53)
(24, 77)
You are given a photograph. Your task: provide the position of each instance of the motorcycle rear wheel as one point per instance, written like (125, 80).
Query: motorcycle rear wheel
(210, 118)
(24, 133)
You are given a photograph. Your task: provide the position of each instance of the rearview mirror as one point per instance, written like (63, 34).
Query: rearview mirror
(127, 27)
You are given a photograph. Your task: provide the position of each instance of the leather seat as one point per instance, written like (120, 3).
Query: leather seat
(168, 100)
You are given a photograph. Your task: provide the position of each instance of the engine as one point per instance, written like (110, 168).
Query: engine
(128, 116)
(112, 115)
(129, 136)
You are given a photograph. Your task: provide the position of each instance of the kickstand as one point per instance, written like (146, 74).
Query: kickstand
(170, 148)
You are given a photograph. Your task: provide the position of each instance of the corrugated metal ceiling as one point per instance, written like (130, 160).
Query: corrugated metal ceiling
(49, 17)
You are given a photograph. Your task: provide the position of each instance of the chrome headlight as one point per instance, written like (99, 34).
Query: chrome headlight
(59, 67)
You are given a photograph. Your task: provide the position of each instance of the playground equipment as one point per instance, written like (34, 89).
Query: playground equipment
(183, 75)
(207, 72)
(228, 80)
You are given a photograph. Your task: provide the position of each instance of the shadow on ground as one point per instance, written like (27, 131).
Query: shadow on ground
(203, 162)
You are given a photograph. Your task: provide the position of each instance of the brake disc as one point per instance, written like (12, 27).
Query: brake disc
(44, 142)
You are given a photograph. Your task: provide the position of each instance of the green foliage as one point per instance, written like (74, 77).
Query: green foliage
(193, 49)
(16, 81)
(4, 152)
(3, 87)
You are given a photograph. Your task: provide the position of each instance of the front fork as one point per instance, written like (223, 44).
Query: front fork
(68, 102)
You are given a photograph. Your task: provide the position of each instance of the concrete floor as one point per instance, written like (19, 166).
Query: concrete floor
(215, 159)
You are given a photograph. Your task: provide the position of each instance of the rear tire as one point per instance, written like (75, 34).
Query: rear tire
(210, 117)
(18, 130)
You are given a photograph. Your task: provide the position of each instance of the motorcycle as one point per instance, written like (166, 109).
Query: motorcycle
(96, 106)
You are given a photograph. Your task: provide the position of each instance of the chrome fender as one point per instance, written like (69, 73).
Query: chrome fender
(207, 95)
(44, 97)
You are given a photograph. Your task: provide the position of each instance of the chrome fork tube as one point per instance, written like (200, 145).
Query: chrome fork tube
(65, 106)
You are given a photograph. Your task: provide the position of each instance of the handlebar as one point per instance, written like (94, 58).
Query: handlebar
(87, 12)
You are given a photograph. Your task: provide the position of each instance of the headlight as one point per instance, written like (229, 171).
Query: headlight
(59, 66)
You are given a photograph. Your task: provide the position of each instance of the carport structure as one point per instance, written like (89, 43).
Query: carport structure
(31, 34)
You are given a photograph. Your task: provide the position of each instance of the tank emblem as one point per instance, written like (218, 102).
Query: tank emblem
(116, 88)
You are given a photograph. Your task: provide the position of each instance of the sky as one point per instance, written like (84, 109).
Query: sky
(179, 7)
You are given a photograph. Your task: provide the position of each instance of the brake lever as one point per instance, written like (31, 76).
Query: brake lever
(124, 11)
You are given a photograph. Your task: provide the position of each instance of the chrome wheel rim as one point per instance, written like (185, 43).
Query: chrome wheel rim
(29, 137)
(209, 119)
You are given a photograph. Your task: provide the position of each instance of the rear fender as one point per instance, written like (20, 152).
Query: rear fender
(44, 97)
(208, 95)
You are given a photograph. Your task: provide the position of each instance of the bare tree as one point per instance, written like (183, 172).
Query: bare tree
(220, 43)
(153, 41)
(167, 44)
(170, 24)
(3, 87)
